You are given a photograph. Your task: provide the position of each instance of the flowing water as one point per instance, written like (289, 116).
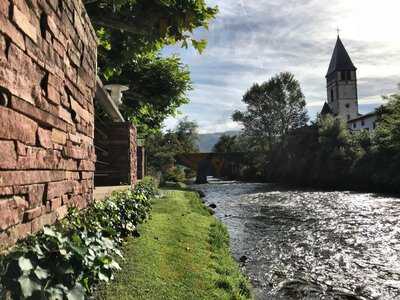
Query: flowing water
(299, 244)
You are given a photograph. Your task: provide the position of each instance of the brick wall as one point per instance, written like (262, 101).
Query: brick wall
(47, 84)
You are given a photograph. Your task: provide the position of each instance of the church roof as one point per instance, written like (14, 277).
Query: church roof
(326, 110)
(340, 60)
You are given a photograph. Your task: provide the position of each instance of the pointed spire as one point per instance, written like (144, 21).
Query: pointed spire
(326, 110)
(340, 60)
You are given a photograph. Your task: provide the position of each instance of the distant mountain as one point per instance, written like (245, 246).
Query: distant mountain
(208, 140)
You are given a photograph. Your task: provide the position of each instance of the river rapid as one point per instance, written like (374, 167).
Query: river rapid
(302, 244)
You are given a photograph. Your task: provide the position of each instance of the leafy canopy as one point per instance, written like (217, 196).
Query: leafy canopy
(387, 135)
(273, 108)
(131, 35)
(162, 148)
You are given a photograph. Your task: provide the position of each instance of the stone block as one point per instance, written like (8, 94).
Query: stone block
(44, 137)
(86, 165)
(53, 95)
(8, 178)
(55, 203)
(65, 115)
(12, 32)
(15, 126)
(61, 212)
(31, 214)
(58, 189)
(34, 194)
(11, 211)
(8, 155)
(40, 159)
(4, 7)
(87, 175)
(24, 24)
(40, 116)
(21, 149)
(68, 164)
(81, 112)
(75, 152)
(59, 137)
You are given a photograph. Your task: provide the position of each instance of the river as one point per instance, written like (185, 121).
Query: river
(304, 244)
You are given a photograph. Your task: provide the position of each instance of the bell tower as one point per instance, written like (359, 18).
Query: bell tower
(341, 82)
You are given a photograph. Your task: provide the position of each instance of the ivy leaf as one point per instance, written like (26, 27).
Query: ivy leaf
(41, 273)
(103, 277)
(28, 286)
(49, 232)
(77, 293)
(25, 264)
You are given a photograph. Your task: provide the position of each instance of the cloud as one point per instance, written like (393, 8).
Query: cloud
(252, 40)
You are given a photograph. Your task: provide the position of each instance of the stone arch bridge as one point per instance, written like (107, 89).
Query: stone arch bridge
(212, 164)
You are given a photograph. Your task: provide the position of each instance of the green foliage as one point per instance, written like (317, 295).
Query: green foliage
(327, 154)
(387, 136)
(183, 253)
(273, 108)
(157, 88)
(66, 260)
(175, 174)
(226, 144)
(129, 27)
(162, 148)
(131, 36)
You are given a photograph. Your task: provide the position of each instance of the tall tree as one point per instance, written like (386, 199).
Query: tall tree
(131, 35)
(161, 148)
(226, 144)
(273, 108)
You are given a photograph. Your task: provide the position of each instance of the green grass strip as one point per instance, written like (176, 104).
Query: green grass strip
(183, 253)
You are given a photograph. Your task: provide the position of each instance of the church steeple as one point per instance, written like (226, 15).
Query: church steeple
(340, 60)
(341, 81)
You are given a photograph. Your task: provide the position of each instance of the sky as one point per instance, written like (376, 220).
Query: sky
(252, 40)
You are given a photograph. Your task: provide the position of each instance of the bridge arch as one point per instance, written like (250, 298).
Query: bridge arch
(211, 164)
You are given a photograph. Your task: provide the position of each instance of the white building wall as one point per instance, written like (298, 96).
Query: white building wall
(366, 123)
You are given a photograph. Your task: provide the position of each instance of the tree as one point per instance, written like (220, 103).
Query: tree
(157, 88)
(387, 135)
(139, 26)
(273, 108)
(131, 35)
(226, 144)
(162, 148)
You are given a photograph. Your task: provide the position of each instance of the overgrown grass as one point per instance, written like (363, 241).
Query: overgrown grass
(183, 253)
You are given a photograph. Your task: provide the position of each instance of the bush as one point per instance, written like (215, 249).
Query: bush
(68, 259)
(175, 174)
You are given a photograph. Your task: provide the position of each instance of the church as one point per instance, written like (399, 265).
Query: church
(342, 92)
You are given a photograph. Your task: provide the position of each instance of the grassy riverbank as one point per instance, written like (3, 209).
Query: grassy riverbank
(183, 253)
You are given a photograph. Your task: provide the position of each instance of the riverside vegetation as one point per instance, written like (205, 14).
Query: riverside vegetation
(182, 253)
(67, 260)
(326, 154)
(285, 148)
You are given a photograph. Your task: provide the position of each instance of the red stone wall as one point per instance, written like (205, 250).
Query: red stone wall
(121, 161)
(47, 84)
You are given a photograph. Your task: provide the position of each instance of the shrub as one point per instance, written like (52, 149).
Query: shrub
(175, 174)
(67, 260)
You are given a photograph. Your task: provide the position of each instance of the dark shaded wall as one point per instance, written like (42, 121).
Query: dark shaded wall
(117, 163)
(141, 162)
